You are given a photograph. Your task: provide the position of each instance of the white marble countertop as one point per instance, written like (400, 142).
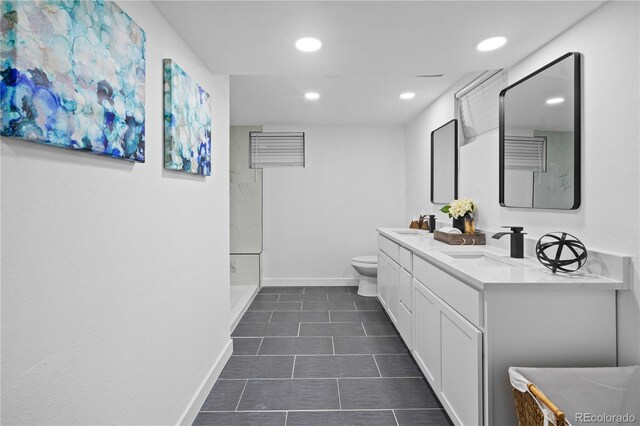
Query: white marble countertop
(506, 273)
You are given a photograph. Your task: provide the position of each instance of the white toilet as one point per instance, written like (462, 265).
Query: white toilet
(367, 267)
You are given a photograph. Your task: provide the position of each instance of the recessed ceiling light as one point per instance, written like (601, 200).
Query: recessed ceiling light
(308, 44)
(312, 96)
(492, 43)
(552, 101)
(407, 95)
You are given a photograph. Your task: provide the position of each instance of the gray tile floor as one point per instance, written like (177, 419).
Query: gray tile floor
(319, 356)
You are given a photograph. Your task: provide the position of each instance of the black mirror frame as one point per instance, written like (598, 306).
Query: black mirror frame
(577, 126)
(455, 158)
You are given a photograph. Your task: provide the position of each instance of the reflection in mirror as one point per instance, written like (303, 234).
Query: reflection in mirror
(540, 138)
(444, 163)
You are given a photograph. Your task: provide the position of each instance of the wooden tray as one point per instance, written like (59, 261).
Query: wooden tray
(478, 239)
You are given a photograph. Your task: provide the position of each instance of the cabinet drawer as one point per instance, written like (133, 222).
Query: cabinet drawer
(405, 258)
(464, 299)
(389, 247)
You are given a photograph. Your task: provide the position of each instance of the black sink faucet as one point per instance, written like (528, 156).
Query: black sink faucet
(517, 240)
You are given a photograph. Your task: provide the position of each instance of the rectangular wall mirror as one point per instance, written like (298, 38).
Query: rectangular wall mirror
(444, 163)
(540, 138)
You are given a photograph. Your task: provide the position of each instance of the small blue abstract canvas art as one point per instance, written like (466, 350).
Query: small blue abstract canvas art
(73, 76)
(187, 122)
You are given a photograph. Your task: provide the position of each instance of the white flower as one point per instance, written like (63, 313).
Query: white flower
(462, 207)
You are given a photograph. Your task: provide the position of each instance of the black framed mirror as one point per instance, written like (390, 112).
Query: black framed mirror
(444, 163)
(540, 138)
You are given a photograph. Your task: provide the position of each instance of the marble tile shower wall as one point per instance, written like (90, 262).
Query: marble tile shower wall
(319, 356)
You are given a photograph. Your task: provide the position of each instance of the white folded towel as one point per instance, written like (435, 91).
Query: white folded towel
(450, 230)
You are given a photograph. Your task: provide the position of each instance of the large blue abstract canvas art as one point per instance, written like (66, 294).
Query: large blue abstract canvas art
(73, 76)
(187, 122)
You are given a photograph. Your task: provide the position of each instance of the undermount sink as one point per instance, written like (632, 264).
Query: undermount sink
(413, 233)
(479, 259)
(407, 231)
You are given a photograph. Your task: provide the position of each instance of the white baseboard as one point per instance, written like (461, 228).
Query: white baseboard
(309, 282)
(237, 314)
(190, 413)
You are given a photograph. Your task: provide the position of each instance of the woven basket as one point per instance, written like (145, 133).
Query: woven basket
(528, 411)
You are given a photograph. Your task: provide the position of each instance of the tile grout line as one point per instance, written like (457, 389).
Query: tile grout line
(395, 418)
(260, 346)
(320, 378)
(324, 354)
(376, 362)
(321, 355)
(320, 410)
(299, 326)
(365, 330)
(339, 398)
(241, 394)
(293, 370)
(333, 345)
(286, 418)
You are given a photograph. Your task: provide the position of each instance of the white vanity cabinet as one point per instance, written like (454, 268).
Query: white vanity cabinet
(466, 327)
(394, 285)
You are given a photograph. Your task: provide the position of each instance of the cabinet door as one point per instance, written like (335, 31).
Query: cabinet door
(383, 276)
(461, 368)
(426, 333)
(406, 289)
(393, 282)
(405, 325)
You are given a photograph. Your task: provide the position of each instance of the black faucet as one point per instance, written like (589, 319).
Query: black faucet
(517, 240)
(432, 223)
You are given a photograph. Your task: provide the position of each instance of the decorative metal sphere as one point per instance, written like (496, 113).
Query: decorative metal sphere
(561, 252)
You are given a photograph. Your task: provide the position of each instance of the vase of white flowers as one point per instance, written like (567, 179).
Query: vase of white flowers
(459, 210)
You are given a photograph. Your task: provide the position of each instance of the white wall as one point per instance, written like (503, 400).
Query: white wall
(609, 42)
(115, 276)
(318, 217)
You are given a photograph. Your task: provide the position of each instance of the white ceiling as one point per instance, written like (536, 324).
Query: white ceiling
(345, 100)
(370, 51)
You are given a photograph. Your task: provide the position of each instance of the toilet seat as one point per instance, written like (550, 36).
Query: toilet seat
(371, 260)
